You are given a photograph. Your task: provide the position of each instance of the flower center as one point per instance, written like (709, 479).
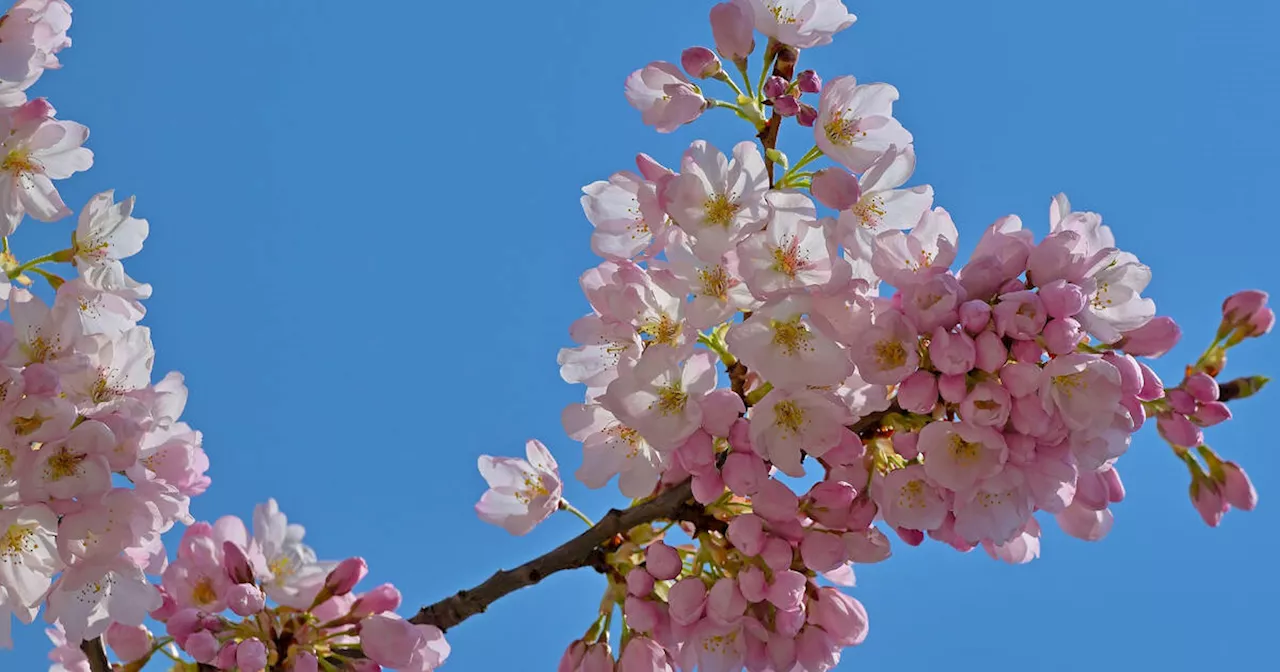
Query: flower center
(789, 416)
(911, 495)
(203, 592)
(17, 540)
(870, 211)
(663, 330)
(788, 259)
(843, 132)
(716, 282)
(671, 399)
(791, 336)
(964, 452)
(1069, 383)
(64, 464)
(20, 161)
(890, 354)
(719, 210)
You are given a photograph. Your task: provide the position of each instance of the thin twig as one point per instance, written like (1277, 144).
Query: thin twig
(97, 655)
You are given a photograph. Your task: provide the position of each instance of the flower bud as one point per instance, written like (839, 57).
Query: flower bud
(642, 654)
(807, 116)
(381, 599)
(236, 563)
(1178, 430)
(1180, 401)
(642, 615)
(1027, 351)
(707, 487)
(1237, 489)
(639, 582)
(251, 656)
(687, 600)
(1202, 387)
(775, 87)
(777, 554)
(1243, 305)
(743, 473)
(345, 576)
(828, 502)
(129, 643)
(809, 82)
(1210, 414)
(919, 392)
(572, 657)
(700, 62)
(787, 106)
(1152, 386)
(746, 533)
(975, 315)
(599, 658)
(991, 352)
(1020, 379)
(752, 584)
(304, 661)
(202, 646)
(733, 30)
(822, 551)
(815, 650)
(1061, 336)
(1262, 322)
(775, 502)
(1208, 500)
(1152, 339)
(725, 603)
(952, 353)
(835, 188)
(787, 590)
(697, 453)
(720, 409)
(953, 388)
(662, 561)
(245, 599)
(1062, 299)
(843, 617)
(226, 658)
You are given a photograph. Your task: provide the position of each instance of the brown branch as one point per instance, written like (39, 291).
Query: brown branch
(584, 550)
(97, 655)
(784, 67)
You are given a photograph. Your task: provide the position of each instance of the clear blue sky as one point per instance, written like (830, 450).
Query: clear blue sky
(366, 240)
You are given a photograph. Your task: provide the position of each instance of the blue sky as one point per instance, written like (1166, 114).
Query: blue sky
(366, 240)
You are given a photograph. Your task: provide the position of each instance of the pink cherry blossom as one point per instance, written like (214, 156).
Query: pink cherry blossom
(522, 493)
(785, 423)
(886, 350)
(732, 27)
(717, 201)
(855, 123)
(394, 642)
(792, 253)
(779, 343)
(665, 97)
(611, 448)
(959, 455)
(659, 396)
(905, 258)
(38, 149)
(881, 204)
(800, 23)
(909, 499)
(1083, 388)
(625, 213)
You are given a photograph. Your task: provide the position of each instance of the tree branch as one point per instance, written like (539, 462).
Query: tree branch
(586, 550)
(97, 655)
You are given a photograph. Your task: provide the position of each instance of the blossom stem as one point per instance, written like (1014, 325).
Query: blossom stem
(809, 157)
(746, 78)
(770, 52)
(566, 506)
(60, 255)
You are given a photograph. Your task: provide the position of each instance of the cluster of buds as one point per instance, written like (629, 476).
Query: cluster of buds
(953, 409)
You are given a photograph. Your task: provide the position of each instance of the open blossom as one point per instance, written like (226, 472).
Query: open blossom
(882, 205)
(522, 493)
(1117, 305)
(660, 396)
(794, 251)
(886, 349)
(786, 423)
(905, 258)
(779, 343)
(716, 287)
(396, 643)
(625, 213)
(89, 597)
(37, 150)
(108, 230)
(1082, 387)
(718, 202)
(611, 448)
(908, 498)
(28, 552)
(665, 97)
(855, 123)
(800, 23)
(605, 346)
(959, 455)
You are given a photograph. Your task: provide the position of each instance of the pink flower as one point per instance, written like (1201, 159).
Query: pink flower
(919, 392)
(952, 352)
(129, 643)
(882, 205)
(776, 503)
(1021, 549)
(90, 596)
(909, 499)
(1001, 255)
(662, 561)
(700, 62)
(785, 424)
(718, 289)
(1237, 489)
(642, 654)
(625, 213)
(822, 551)
(522, 493)
(659, 397)
(688, 600)
(1152, 339)
(1020, 315)
(793, 253)
(38, 149)
(802, 24)
(665, 98)
(844, 618)
(733, 30)
(66, 654)
(933, 302)
(716, 201)
(855, 122)
(28, 554)
(746, 533)
(394, 642)
(251, 655)
(611, 448)
(1202, 386)
(1084, 523)
(1083, 388)
(779, 343)
(902, 259)
(381, 599)
(996, 510)
(886, 351)
(987, 404)
(975, 316)
(959, 455)
(743, 473)
(349, 572)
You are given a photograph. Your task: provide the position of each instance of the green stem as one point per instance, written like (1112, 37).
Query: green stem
(52, 256)
(716, 346)
(770, 53)
(746, 79)
(566, 506)
(732, 84)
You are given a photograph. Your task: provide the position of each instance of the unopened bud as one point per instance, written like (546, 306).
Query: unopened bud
(774, 87)
(809, 82)
(700, 62)
(807, 116)
(787, 106)
(776, 157)
(236, 563)
(733, 30)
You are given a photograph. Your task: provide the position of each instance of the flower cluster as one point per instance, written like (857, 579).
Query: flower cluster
(953, 408)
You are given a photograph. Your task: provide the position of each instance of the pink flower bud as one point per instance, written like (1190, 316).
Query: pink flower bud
(1115, 487)
(787, 106)
(822, 551)
(777, 554)
(364, 666)
(807, 116)
(572, 658)
(1020, 379)
(1243, 305)
(809, 82)
(304, 661)
(599, 658)
(245, 599)
(1020, 315)
(1152, 386)
(775, 87)
(1061, 336)
(788, 622)
(662, 561)
(752, 584)
(698, 453)
(1152, 339)
(226, 658)
(202, 646)
(129, 643)
(1178, 430)
(828, 503)
(910, 537)
(184, 623)
(775, 502)
(720, 409)
(952, 353)
(836, 188)
(1062, 299)
(733, 30)
(1208, 501)
(974, 316)
(868, 547)
(1180, 401)
(1237, 489)
(700, 62)
(746, 533)
(381, 599)
(953, 388)
(1130, 372)
(688, 600)
(725, 603)
(707, 487)
(991, 352)
(1212, 413)
(782, 651)
(642, 654)
(905, 444)
(345, 576)
(639, 582)
(743, 473)
(740, 436)
(1027, 351)
(843, 617)
(787, 590)
(642, 615)
(815, 650)
(987, 405)
(251, 656)
(1262, 322)
(919, 392)
(236, 563)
